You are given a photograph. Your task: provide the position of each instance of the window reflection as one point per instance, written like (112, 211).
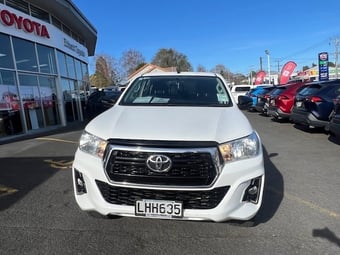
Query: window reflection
(49, 100)
(9, 104)
(6, 60)
(70, 67)
(25, 57)
(78, 69)
(46, 59)
(62, 63)
(31, 99)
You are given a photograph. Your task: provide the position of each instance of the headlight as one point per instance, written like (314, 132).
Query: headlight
(245, 147)
(92, 144)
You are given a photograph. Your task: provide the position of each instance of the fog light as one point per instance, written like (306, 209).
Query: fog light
(79, 182)
(253, 191)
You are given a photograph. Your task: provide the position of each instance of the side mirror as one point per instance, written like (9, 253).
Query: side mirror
(244, 102)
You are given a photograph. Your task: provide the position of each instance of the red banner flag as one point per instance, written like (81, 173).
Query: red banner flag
(287, 71)
(260, 77)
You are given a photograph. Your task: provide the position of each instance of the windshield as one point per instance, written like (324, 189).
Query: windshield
(177, 90)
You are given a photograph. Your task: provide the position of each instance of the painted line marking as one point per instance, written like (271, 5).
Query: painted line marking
(308, 204)
(61, 164)
(4, 191)
(56, 140)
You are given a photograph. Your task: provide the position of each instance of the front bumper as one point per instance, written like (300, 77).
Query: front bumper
(236, 178)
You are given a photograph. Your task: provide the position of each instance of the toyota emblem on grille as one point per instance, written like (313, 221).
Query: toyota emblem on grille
(159, 163)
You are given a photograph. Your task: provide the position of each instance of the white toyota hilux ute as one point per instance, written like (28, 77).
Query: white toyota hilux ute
(174, 146)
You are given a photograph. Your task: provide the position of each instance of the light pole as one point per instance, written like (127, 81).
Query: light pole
(268, 60)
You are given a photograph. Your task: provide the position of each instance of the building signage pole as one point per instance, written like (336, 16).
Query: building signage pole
(323, 66)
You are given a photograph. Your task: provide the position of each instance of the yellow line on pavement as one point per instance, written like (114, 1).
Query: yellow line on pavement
(61, 164)
(308, 204)
(6, 190)
(55, 140)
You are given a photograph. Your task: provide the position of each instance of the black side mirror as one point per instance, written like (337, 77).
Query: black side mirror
(244, 102)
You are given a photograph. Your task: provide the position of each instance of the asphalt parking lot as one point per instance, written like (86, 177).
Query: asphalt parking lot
(300, 213)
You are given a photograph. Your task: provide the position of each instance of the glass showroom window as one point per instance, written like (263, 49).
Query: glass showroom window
(6, 60)
(62, 63)
(10, 123)
(48, 93)
(46, 59)
(85, 72)
(71, 99)
(31, 99)
(70, 67)
(25, 56)
(79, 72)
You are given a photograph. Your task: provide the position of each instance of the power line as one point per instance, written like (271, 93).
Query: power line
(306, 49)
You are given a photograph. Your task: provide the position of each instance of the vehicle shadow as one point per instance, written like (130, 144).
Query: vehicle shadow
(309, 130)
(333, 139)
(327, 234)
(18, 176)
(76, 126)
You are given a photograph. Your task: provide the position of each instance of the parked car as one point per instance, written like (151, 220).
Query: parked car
(249, 99)
(99, 101)
(263, 100)
(282, 100)
(174, 146)
(334, 124)
(240, 90)
(313, 105)
(258, 91)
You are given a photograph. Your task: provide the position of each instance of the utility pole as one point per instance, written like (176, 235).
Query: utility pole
(268, 61)
(336, 56)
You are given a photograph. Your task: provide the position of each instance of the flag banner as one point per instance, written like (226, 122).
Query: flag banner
(287, 71)
(260, 77)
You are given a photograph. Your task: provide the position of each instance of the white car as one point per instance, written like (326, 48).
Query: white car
(240, 90)
(174, 146)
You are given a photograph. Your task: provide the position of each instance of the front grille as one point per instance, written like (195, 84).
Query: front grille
(191, 199)
(189, 168)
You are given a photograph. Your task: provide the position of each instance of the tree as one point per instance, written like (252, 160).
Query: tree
(222, 70)
(106, 73)
(171, 58)
(304, 68)
(201, 68)
(131, 60)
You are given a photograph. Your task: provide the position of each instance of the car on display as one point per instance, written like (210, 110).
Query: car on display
(334, 124)
(174, 146)
(313, 105)
(281, 101)
(258, 91)
(99, 101)
(263, 101)
(240, 90)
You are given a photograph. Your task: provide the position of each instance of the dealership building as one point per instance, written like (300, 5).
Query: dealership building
(44, 52)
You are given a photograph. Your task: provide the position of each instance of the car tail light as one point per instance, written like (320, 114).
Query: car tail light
(315, 99)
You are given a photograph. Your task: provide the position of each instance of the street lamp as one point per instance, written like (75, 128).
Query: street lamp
(268, 60)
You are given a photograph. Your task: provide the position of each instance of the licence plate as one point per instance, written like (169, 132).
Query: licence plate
(158, 209)
(298, 104)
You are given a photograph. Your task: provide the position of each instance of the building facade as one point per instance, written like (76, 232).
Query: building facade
(44, 52)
